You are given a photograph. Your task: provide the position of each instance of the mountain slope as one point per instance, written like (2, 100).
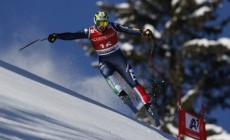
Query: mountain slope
(32, 108)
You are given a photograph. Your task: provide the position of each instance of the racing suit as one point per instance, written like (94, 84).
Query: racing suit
(111, 58)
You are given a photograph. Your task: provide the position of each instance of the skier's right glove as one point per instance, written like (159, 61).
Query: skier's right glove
(148, 33)
(52, 37)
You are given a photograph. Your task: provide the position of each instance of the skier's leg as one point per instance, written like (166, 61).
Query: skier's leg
(126, 71)
(107, 71)
(120, 64)
(117, 89)
(141, 92)
(144, 97)
(128, 74)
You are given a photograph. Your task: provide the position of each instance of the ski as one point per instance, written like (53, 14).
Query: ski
(140, 111)
(126, 100)
(150, 116)
(151, 113)
(130, 105)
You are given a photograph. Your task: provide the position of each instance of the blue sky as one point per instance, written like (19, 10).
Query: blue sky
(63, 62)
(44, 17)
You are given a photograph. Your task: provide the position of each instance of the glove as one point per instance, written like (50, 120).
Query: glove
(148, 33)
(52, 37)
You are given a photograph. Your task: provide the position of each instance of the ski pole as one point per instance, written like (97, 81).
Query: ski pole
(32, 43)
(151, 58)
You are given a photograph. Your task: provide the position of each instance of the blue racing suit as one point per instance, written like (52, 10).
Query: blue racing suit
(111, 58)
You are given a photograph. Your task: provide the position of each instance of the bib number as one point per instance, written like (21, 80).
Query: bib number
(105, 45)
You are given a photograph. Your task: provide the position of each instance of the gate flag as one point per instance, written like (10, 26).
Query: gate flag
(191, 125)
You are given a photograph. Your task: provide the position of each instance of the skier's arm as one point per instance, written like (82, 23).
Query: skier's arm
(82, 34)
(128, 30)
(71, 36)
(132, 31)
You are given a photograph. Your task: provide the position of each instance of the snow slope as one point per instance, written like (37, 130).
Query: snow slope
(32, 108)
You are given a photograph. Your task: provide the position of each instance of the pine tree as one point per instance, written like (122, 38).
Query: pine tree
(187, 56)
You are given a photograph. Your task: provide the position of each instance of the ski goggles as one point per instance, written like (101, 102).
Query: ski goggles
(104, 24)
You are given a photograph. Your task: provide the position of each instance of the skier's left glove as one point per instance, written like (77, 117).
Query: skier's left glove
(147, 33)
(52, 37)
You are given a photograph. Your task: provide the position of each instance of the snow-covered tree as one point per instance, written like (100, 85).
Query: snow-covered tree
(189, 54)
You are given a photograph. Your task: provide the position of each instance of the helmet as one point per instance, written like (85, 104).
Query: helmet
(101, 18)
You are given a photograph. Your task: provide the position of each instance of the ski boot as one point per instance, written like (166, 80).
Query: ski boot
(124, 97)
(126, 100)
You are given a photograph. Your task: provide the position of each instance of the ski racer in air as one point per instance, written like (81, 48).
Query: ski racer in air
(104, 39)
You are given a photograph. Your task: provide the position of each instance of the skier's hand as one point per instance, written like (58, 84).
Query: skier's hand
(52, 37)
(148, 33)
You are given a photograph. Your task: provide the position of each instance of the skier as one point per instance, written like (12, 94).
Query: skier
(104, 39)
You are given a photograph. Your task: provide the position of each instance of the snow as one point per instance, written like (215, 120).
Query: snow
(172, 128)
(174, 2)
(122, 21)
(178, 10)
(188, 95)
(156, 33)
(99, 3)
(223, 135)
(199, 2)
(225, 42)
(35, 108)
(224, 58)
(217, 129)
(201, 11)
(122, 6)
(127, 47)
(219, 137)
(170, 22)
(206, 43)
